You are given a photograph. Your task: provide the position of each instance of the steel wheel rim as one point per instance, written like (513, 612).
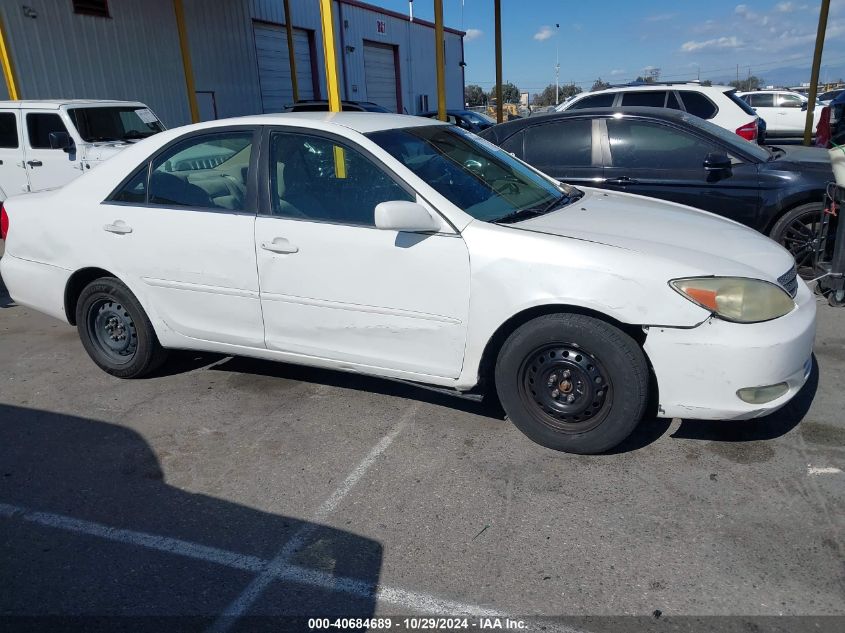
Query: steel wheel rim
(112, 330)
(565, 387)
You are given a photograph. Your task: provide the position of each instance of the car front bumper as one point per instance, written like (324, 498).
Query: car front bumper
(699, 370)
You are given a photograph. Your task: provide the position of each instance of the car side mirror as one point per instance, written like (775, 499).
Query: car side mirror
(717, 161)
(401, 215)
(804, 106)
(60, 140)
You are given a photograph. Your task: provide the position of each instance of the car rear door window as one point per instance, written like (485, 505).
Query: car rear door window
(761, 100)
(672, 101)
(324, 180)
(514, 144)
(208, 171)
(604, 100)
(639, 144)
(649, 98)
(553, 146)
(39, 125)
(8, 130)
(698, 105)
(789, 101)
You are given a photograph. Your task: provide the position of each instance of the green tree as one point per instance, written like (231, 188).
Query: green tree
(706, 82)
(474, 95)
(510, 93)
(547, 96)
(600, 84)
(750, 83)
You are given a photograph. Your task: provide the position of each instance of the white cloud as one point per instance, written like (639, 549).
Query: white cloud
(785, 7)
(717, 43)
(617, 71)
(473, 34)
(660, 17)
(544, 33)
(743, 11)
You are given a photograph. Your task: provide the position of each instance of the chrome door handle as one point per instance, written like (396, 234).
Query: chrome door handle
(34, 163)
(280, 245)
(119, 227)
(622, 180)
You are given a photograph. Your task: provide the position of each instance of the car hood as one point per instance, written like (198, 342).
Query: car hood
(689, 240)
(797, 157)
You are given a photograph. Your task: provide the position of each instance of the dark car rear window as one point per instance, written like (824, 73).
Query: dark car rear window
(731, 94)
(698, 105)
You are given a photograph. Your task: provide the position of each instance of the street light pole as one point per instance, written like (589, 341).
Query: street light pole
(557, 65)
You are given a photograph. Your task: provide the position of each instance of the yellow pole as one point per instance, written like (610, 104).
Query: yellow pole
(186, 60)
(332, 83)
(8, 66)
(814, 74)
(440, 59)
(291, 55)
(497, 7)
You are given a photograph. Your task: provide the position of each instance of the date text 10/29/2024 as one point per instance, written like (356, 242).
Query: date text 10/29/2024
(417, 624)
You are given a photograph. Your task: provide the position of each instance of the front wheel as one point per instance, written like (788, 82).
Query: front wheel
(115, 330)
(572, 383)
(797, 231)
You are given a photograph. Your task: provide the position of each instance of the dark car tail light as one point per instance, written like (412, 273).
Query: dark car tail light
(748, 131)
(4, 223)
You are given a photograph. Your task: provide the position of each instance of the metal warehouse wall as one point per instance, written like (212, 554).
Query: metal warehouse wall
(133, 55)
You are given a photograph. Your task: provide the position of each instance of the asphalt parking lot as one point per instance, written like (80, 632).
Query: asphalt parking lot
(226, 490)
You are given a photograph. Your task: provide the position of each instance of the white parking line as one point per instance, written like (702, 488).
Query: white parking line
(822, 470)
(281, 562)
(417, 601)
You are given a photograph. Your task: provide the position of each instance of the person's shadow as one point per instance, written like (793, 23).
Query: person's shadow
(5, 299)
(93, 538)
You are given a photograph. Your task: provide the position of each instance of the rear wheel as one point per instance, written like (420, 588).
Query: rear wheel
(572, 383)
(797, 231)
(115, 330)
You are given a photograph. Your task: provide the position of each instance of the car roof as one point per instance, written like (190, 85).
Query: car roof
(55, 104)
(363, 122)
(660, 86)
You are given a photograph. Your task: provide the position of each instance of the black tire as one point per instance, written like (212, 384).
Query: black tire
(115, 330)
(607, 382)
(795, 230)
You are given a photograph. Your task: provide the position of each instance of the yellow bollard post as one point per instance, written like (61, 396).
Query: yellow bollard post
(186, 60)
(8, 66)
(291, 52)
(440, 59)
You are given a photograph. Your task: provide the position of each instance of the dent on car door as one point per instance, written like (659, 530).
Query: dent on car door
(180, 231)
(566, 150)
(653, 159)
(333, 285)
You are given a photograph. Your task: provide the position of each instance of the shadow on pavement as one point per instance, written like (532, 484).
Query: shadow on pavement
(768, 427)
(5, 299)
(90, 528)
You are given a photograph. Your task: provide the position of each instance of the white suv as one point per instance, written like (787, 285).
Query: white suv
(717, 104)
(784, 111)
(46, 144)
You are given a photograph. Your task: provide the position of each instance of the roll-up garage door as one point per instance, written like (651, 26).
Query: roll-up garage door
(271, 46)
(380, 75)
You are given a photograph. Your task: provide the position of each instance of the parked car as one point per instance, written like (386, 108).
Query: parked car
(678, 157)
(837, 120)
(347, 106)
(718, 104)
(826, 97)
(407, 248)
(45, 144)
(785, 112)
(467, 119)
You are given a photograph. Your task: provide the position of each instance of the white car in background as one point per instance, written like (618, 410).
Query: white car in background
(407, 248)
(784, 112)
(717, 104)
(46, 144)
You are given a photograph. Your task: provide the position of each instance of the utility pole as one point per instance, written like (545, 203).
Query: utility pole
(814, 75)
(557, 64)
(497, 11)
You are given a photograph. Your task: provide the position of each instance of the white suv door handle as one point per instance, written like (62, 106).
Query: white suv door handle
(280, 245)
(119, 226)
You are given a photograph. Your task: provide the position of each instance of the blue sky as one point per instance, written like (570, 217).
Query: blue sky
(619, 40)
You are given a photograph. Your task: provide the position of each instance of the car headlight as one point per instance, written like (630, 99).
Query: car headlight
(736, 298)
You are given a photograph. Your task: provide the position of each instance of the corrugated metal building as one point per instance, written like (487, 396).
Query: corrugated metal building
(238, 49)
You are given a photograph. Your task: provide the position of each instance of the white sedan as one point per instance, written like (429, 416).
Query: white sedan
(401, 247)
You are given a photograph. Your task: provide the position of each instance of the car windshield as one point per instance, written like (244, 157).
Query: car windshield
(123, 123)
(727, 137)
(481, 179)
(478, 118)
